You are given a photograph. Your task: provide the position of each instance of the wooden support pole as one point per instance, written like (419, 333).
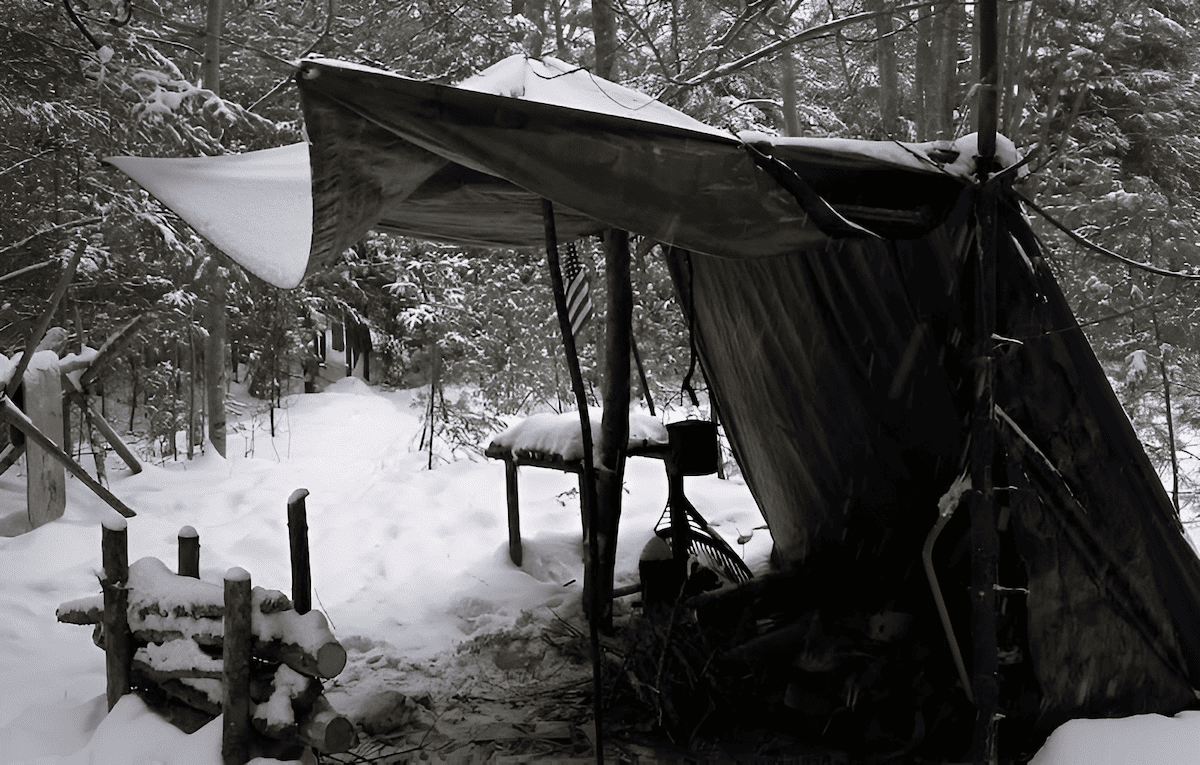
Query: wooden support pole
(587, 496)
(681, 536)
(235, 662)
(118, 648)
(614, 424)
(189, 552)
(10, 455)
(108, 431)
(985, 541)
(298, 544)
(514, 511)
(18, 420)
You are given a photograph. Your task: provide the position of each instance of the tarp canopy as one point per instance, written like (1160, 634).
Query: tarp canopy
(831, 285)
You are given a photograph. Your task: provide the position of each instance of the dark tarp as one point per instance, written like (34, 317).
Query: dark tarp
(840, 363)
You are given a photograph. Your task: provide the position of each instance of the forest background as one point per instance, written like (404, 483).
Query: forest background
(1103, 93)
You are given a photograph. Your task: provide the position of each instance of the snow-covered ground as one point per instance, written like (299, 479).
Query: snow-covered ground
(408, 563)
(412, 560)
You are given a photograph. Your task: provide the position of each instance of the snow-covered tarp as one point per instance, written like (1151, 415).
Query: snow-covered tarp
(474, 160)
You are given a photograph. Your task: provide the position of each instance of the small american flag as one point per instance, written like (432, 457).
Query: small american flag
(579, 297)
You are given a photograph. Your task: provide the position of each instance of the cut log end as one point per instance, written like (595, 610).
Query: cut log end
(331, 659)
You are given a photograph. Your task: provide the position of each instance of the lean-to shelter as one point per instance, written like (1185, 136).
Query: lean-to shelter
(829, 286)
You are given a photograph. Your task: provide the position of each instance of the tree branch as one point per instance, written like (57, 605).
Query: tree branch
(821, 30)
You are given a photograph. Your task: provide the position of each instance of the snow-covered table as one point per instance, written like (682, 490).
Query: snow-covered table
(555, 441)
(686, 448)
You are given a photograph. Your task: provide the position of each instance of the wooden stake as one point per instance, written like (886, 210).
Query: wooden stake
(587, 497)
(118, 649)
(189, 552)
(235, 662)
(298, 543)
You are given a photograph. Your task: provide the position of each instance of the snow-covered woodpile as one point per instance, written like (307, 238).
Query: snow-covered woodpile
(195, 649)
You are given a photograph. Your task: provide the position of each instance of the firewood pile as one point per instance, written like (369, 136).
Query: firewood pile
(193, 649)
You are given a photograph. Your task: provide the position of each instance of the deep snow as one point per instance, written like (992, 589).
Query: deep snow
(407, 563)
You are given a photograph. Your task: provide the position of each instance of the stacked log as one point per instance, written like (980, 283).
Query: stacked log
(177, 627)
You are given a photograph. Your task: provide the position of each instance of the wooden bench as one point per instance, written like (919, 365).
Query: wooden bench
(553, 443)
(674, 444)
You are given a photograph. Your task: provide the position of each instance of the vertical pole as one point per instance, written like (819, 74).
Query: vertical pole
(118, 654)
(985, 543)
(514, 511)
(681, 536)
(189, 552)
(587, 497)
(298, 542)
(614, 425)
(235, 672)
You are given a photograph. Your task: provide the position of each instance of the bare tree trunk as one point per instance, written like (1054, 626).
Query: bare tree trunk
(560, 43)
(210, 71)
(885, 57)
(216, 321)
(604, 28)
(191, 424)
(1166, 381)
(214, 360)
(535, 41)
(923, 74)
(787, 84)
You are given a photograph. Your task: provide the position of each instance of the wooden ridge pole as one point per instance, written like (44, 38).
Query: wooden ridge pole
(588, 481)
(985, 542)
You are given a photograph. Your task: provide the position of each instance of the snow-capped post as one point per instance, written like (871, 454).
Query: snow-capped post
(235, 669)
(298, 543)
(189, 552)
(118, 653)
(514, 512)
(45, 482)
(985, 543)
(587, 497)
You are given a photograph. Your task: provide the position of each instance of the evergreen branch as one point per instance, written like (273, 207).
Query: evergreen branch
(821, 30)
(1088, 244)
(26, 161)
(60, 226)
